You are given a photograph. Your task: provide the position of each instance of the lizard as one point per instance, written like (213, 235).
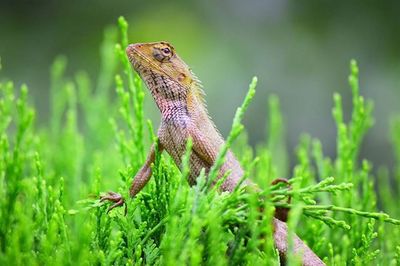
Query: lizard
(179, 96)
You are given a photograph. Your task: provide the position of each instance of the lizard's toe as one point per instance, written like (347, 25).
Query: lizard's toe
(114, 197)
(111, 196)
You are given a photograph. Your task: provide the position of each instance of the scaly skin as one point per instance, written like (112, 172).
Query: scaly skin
(179, 96)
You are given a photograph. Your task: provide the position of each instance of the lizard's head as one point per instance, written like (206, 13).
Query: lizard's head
(159, 59)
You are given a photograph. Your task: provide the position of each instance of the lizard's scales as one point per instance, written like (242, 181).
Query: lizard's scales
(179, 96)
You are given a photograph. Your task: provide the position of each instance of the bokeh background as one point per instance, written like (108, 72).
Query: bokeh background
(300, 51)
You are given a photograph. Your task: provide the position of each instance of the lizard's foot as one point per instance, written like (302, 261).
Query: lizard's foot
(116, 198)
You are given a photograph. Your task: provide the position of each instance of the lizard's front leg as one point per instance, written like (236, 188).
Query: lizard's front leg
(139, 181)
(144, 174)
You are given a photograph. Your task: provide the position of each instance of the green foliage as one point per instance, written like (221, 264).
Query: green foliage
(51, 178)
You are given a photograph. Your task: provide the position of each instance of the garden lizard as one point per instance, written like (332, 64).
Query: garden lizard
(179, 96)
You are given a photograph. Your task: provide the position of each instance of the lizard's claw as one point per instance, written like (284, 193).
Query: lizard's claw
(116, 198)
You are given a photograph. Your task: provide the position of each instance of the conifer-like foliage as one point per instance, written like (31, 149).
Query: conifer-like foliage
(51, 178)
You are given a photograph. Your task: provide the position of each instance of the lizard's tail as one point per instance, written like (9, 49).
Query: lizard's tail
(309, 258)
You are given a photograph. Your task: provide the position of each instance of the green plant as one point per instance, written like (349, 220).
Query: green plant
(51, 178)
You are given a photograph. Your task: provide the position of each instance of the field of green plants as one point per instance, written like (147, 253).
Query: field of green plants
(52, 175)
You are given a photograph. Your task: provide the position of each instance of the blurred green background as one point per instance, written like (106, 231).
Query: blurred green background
(300, 50)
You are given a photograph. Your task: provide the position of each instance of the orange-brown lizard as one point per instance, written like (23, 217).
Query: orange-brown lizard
(179, 96)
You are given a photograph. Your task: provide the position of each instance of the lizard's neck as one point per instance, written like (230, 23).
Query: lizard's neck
(170, 97)
(174, 103)
(174, 99)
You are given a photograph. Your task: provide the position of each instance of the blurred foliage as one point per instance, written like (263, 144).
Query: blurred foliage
(295, 48)
(51, 176)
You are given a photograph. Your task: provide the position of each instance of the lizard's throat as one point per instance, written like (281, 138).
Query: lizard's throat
(166, 105)
(167, 93)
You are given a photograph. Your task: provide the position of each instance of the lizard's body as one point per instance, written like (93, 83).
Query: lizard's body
(179, 96)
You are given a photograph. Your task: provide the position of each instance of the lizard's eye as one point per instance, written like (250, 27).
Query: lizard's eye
(162, 54)
(166, 50)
